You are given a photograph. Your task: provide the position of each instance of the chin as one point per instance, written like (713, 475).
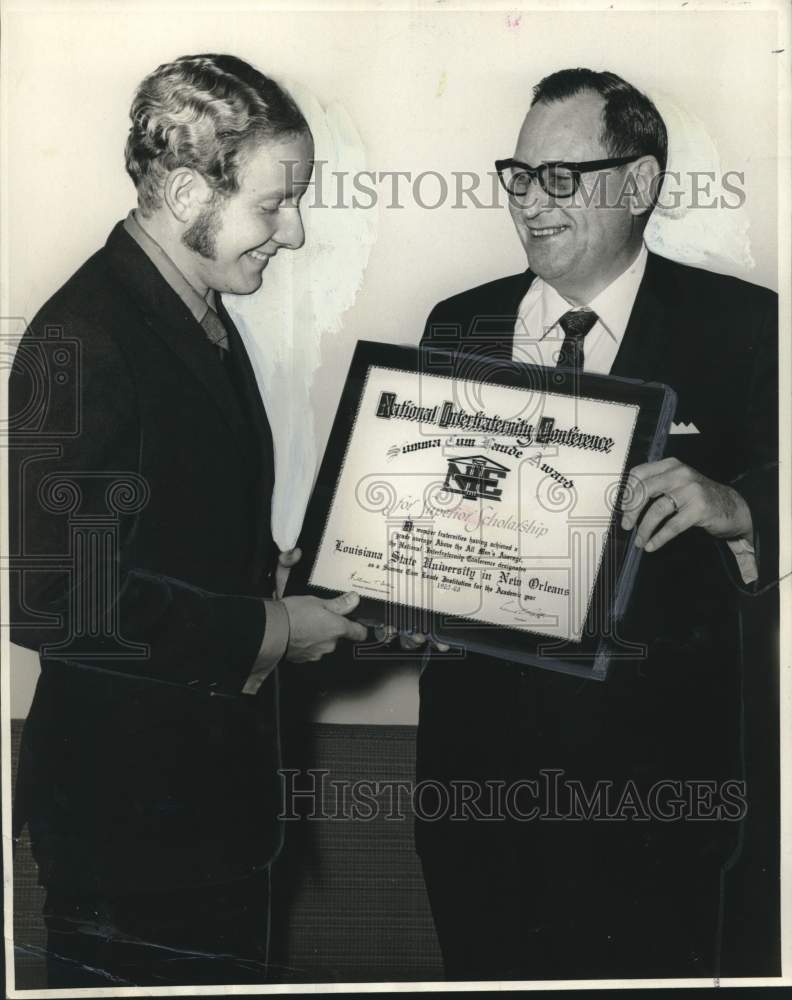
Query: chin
(549, 265)
(544, 270)
(246, 285)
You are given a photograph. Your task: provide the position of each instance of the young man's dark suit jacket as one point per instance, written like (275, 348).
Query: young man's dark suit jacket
(150, 773)
(676, 713)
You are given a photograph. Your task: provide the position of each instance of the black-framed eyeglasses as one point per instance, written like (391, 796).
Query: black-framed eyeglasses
(558, 178)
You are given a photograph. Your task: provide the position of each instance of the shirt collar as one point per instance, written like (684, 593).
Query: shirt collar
(613, 305)
(197, 304)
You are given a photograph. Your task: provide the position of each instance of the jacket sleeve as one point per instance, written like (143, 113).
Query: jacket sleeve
(756, 451)
(76, 495)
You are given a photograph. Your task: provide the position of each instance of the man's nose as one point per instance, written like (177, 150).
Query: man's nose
(535, 199)
(291, 232)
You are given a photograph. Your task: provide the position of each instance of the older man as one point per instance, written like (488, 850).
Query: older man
(147, 584)
(637, 889)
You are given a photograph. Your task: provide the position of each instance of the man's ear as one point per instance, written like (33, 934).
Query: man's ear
(185, 194)
(645, 180)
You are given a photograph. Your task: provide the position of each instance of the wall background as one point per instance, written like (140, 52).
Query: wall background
(423, 88)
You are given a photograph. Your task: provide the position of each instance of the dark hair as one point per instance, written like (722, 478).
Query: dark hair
(631, 124)
(201, 112)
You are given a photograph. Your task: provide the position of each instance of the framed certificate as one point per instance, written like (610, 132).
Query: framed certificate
(481, 503)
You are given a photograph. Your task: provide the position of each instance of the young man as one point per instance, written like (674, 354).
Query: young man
(147, 565)
(641, 893)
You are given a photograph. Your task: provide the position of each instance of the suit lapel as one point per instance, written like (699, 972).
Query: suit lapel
(645, 349)
(252, 396)
(254, 406)
(169, 319)
(494, 315)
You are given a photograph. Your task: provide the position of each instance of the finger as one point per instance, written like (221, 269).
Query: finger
(683, 520)
(344, 604)
(354, 631)
(290, 558)
(689, 515)
(644, 483)
(668, 481)
(441, 647)
(640, 498)
(385, 634)
(412, 640)
(634, 499)
(663, 507)
(303, 657)
(648, 469)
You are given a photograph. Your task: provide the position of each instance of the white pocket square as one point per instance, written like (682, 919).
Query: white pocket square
(684, 428)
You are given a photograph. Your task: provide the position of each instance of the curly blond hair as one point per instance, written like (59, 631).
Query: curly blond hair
(202, 112)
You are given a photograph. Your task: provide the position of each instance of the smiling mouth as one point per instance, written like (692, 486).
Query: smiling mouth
(546, 232)
(257, 255)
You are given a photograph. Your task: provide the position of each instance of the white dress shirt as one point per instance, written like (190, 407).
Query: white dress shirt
(538, 339)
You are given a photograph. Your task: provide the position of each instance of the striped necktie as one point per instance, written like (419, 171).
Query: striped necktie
(216, 332)
(576, 324)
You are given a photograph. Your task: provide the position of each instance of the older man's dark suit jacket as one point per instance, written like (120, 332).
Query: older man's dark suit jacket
(155, 772)
(678, 712)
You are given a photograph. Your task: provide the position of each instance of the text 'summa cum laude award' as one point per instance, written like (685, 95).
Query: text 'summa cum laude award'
(475, 501)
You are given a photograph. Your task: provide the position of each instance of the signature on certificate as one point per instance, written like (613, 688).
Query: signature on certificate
(521, 614)
(361, 583)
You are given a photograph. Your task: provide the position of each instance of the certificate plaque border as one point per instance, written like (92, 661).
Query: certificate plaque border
(592, 656)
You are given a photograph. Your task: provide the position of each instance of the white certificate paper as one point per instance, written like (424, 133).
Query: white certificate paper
(486, 503)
